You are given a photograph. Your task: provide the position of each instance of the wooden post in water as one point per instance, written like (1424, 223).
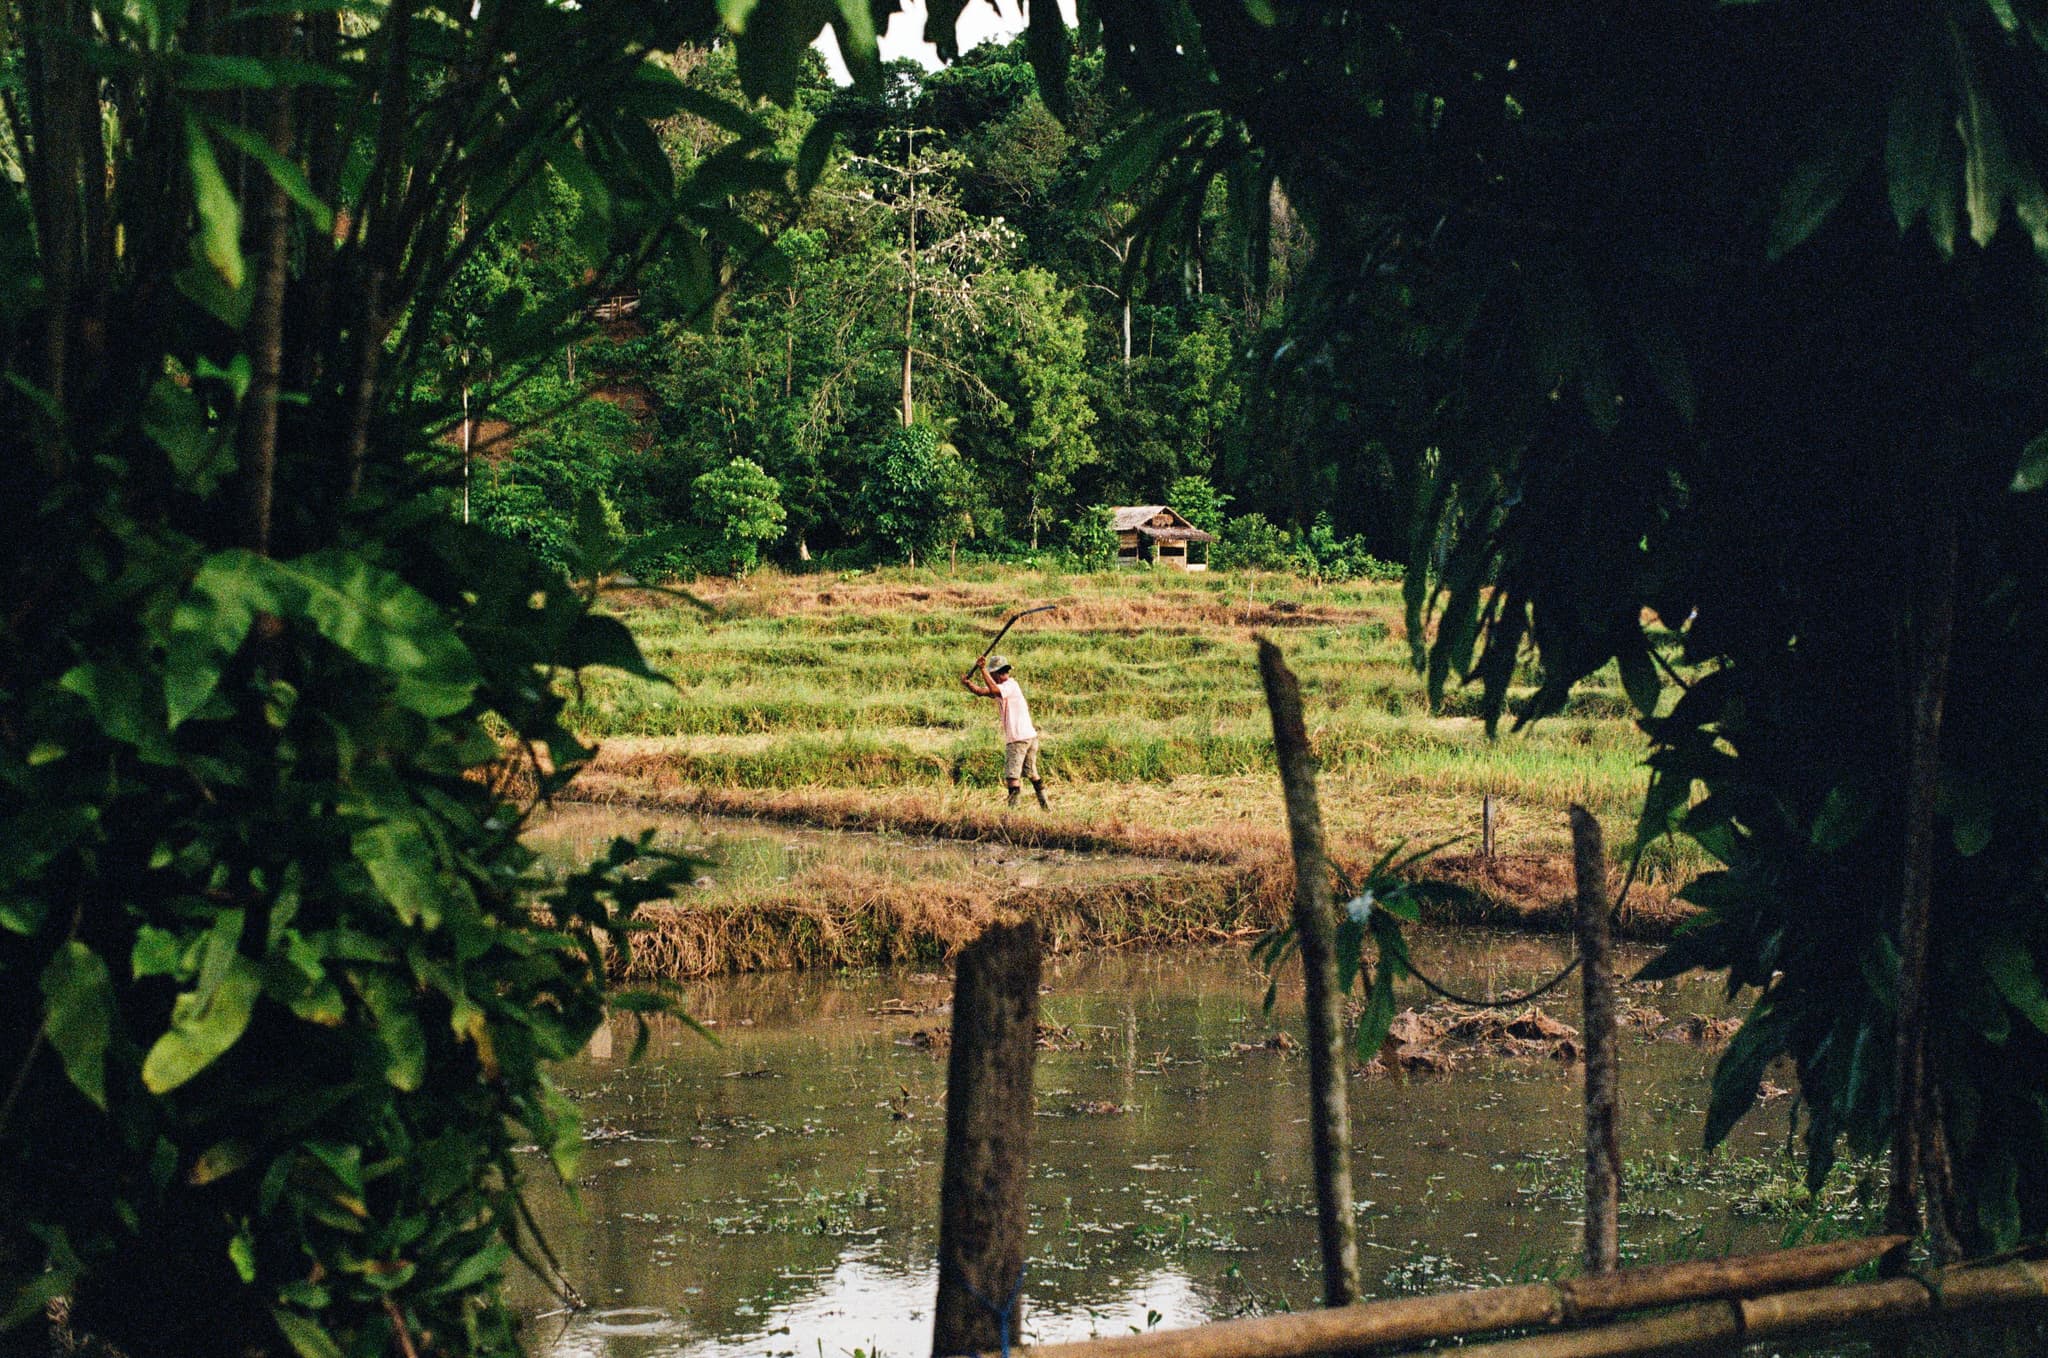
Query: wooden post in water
(1596, 971)
(982, 1218)
(1486, 826)
(1315, 926)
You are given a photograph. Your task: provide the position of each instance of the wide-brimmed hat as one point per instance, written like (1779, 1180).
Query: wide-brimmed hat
(998, 663)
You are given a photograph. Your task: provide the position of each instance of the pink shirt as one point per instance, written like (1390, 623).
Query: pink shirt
(1015, 713)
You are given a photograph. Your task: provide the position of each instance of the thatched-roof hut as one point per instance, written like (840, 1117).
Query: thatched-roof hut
(1156, 533)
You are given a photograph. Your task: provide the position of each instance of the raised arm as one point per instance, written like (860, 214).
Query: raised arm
(986, 688)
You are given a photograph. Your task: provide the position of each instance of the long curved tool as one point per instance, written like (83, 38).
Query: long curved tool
(1042, 608)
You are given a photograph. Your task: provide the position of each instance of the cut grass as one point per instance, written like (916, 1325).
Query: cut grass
(834, 699)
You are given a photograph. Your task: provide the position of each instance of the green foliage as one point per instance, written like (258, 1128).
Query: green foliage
(1196, 499)
(917, 493)
(739, 508)
(286, 987)
(1091, 537)
(1570, 431)
(1321, 552)
(1375, 910)
(1250, 542)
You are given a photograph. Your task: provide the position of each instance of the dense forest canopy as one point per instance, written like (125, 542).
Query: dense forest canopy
(1728, 316)
(964, 265)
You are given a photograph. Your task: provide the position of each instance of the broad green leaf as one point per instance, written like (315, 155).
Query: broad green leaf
(1742, 1069)
(123, 704)
(394, 1004)
(401, 861)
(205, 1023)
(2033, 470)
(1639, 679)
(599, 639)
(59, 1277)
(387, 624)
(209, 626)
(157, 952)
(1819, 183)
(175, 420)
(220, 216)
(1378, 1017)
(308, 1338)
(78, 1019)
(242, 1254)
(2011, 969)
(219, 1160)
(1920, 147)
(480, 1268)
(287, 174)
(854, 26)
(209, 73)
(1350, 948)
(721, 113)
(1841, 818)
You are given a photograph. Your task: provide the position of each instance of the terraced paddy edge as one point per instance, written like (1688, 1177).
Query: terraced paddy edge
(1175, 892)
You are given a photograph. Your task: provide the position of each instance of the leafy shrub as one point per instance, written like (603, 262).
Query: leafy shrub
(1324, 554)
(739, 508)
(1091, 538)
(916, 496)
(1195, 499)
(1252, 542)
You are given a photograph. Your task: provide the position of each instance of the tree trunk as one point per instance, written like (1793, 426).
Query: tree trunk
(910, 279)
(1918, 1159)
(982, 1210)
(1596, 972)
(1315, 925)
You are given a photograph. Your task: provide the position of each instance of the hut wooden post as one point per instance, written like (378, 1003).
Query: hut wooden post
(1315, 925)
(982, 1216)
(1486, 822)
(1596, 971)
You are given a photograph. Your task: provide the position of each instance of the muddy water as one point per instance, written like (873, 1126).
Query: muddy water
(776, 1194)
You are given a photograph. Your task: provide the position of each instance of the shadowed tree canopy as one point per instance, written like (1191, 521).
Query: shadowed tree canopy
(281, 991)
(1725, 320)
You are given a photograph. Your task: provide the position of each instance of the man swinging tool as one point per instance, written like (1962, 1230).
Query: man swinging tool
(1020, 737)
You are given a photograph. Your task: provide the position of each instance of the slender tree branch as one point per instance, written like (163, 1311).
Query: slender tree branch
(258, 431)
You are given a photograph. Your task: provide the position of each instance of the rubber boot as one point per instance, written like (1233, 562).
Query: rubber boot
(1013, 798)
(1039, 788)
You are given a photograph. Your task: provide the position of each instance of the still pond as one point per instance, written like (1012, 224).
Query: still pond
(775, 1195)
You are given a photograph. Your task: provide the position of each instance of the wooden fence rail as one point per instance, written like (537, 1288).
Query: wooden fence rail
(1571, 1301)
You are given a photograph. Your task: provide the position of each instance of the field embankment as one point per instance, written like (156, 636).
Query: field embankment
(834, 701)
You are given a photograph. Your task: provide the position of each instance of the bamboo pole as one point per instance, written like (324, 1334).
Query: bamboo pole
(1315, 926)
(1413, 1320)
(1603, 1094)
(1716, 1326)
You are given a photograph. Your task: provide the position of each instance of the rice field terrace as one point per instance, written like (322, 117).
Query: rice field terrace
(834, 700)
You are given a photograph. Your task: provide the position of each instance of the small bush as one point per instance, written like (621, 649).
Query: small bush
(1252, 542)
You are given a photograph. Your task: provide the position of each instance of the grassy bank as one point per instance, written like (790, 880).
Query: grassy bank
(834, 700)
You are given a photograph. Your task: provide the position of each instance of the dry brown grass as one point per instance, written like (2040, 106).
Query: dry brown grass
(839, 917)
(845, 917)
(1158, 608)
